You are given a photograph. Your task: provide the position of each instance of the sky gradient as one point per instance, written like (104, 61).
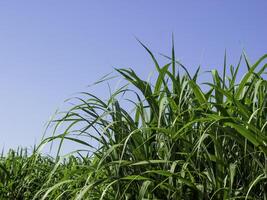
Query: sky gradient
(50, 50)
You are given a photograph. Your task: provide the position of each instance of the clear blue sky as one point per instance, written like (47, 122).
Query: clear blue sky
(52, 49)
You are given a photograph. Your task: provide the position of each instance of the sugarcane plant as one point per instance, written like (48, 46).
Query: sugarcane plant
(179, 140)
(170, 138)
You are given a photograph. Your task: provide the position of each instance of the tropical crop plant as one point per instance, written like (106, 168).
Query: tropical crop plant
(179, 140)
(27, 175)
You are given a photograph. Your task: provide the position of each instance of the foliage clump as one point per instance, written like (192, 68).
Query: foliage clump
(181, 140)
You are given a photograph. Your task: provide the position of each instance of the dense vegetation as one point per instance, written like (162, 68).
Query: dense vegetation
(179, 140)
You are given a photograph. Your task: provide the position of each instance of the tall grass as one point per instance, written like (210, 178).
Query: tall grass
(25, 175)
(179, 140)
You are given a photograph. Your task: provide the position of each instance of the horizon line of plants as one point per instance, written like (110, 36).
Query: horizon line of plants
(178, 139)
